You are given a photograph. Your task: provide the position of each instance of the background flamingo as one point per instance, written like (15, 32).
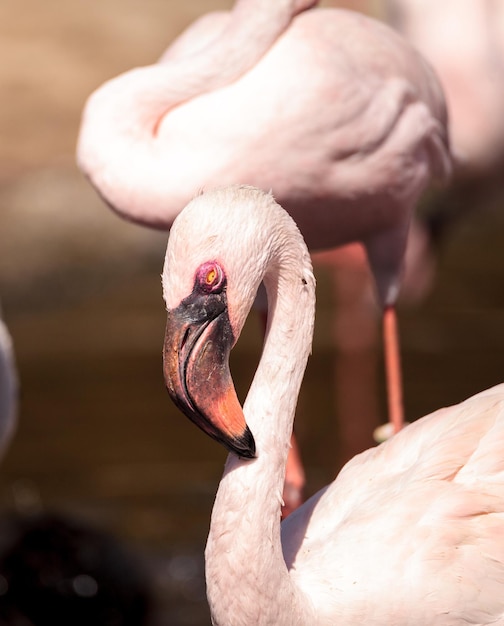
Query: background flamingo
(409, 529)
(348, 155)
(8, 389)
(465, 44)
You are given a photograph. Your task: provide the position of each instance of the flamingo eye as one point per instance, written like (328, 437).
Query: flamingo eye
(211, 277)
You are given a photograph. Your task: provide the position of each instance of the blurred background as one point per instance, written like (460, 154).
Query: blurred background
(98, 441)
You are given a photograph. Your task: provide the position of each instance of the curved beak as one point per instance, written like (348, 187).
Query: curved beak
(198, 341)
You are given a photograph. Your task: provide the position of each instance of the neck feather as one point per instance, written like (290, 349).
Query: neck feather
(244, 542)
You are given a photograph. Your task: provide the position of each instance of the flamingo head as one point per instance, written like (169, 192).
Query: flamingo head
(198, 341)
(217, 255)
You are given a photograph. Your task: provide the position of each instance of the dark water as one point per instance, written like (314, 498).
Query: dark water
(99, 438)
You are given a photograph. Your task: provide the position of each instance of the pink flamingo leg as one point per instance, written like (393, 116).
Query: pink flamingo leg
(294, 480)
(393, 368)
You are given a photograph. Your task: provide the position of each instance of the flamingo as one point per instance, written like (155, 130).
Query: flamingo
(332, 110)
(464, 42)
(411, 532)
(8, 388)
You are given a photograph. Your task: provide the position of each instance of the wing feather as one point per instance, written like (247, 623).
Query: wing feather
(418, 520)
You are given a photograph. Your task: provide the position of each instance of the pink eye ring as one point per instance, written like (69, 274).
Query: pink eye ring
(211, 277)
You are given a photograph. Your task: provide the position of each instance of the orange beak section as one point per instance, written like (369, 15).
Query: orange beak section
(198, 342)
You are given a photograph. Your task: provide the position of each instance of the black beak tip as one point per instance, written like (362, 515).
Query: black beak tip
(244, 446)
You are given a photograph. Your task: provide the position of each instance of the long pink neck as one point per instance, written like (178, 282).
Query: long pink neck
(253, 27)
(247, 578)
(117, 147)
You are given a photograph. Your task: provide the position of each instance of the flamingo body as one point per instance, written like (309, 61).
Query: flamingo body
(410, 532)
(416, 521)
